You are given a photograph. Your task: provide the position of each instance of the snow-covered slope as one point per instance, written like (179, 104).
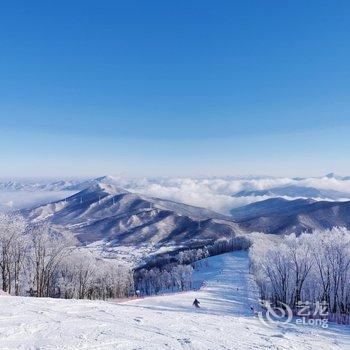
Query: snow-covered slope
(224, 320)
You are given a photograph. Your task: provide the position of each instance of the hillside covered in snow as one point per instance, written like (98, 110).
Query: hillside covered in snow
(224, 320)
(104, 215)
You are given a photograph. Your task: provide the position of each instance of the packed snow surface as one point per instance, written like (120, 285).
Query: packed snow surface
(224, 320)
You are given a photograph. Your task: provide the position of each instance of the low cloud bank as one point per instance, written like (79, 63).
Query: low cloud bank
(213, 193)
(218, 193)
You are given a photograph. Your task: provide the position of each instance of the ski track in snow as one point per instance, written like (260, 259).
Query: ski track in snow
(224, 320)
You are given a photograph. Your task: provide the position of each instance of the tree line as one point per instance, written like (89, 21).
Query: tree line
(173, 271)
(38, 261)
(308, 268)
(169, 272)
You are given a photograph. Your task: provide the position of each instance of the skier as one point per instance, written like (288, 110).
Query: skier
(196, 303)
(254, 312)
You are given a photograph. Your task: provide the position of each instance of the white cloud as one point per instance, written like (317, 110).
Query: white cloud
(216, 193)
(212, 193)
(326, 183)
(10, 200)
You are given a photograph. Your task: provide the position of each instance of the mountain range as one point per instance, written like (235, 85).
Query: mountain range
(104, 212)
(35, 186)
(295, 191)
(280, 216)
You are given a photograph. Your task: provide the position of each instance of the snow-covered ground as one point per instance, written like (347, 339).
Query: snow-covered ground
(224, 320)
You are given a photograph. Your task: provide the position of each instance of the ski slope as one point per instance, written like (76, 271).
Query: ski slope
(224, 320)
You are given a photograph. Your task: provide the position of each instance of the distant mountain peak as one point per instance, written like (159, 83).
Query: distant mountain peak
(106, 178)
(107, 188)
(333, 176)
(294, 191)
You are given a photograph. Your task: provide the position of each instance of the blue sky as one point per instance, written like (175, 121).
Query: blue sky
(174, 87)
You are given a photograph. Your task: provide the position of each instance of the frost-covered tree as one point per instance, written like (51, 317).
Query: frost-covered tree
(48, 248)
(12, 247)
(83, 276)
(76, 274)
(313, 267)
(49, 264)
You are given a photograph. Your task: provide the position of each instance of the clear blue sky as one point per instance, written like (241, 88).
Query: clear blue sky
(174, 87)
